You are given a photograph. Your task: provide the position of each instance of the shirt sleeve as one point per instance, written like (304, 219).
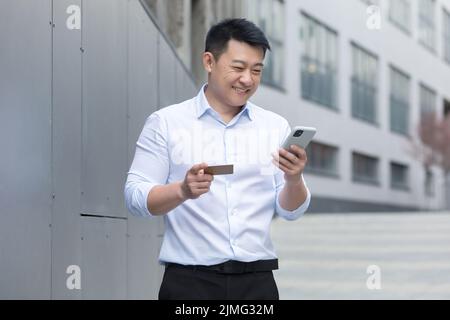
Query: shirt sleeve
(150, 166)
(279, 183)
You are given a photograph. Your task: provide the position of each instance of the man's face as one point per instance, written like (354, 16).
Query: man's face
(236, 75)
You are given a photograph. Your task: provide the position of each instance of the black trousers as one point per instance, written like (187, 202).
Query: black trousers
(189, 284)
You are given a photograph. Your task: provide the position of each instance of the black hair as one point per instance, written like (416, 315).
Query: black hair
(237, 29)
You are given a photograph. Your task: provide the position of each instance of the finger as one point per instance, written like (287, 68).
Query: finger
(285, 169)
(286, 162)
(276, 163)
(196, 168)
(201, 185)
(275, 155)
(289, 155)
(204, 177)
(296, 148)
(298, 151)
(201, 191)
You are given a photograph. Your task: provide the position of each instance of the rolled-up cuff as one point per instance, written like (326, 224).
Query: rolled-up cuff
(138, 202)
(295, 214)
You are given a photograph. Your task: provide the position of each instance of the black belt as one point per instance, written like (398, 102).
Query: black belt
(232, 266)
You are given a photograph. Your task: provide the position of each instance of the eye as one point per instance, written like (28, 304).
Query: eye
(257, 71)
(238, 68)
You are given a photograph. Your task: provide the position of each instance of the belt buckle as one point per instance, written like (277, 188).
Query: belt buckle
(233, 267)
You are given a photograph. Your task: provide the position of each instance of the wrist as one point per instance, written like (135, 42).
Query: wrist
(180, 192)
(293, 181)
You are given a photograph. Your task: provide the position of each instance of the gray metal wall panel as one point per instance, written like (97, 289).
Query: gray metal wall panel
(66, 227)
(119, 92)
(185, 88)
(25, 139)
(142, 73)
(143, 241)
(144, 271)
(179, 79)
(104, 258)
(104, 106)
(167, 76)
(190, 86)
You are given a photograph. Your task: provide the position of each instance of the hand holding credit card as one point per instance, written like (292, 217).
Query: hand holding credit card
(218, 170)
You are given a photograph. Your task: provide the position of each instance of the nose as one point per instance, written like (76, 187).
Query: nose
(246, 78)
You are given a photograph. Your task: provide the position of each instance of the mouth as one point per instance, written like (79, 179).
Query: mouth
(241, 91)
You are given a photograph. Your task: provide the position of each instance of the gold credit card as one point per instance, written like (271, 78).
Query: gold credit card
(216, 170)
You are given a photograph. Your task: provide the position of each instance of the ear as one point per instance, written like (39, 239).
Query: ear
(208, 61)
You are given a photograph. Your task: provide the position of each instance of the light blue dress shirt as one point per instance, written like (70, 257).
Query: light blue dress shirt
(232, 220)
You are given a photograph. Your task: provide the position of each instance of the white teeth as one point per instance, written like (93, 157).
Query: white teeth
(238, 90)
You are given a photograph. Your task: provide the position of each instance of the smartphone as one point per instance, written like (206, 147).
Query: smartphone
(300, 136)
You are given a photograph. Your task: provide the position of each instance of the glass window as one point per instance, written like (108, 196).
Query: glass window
(446, 34)
(269, 16)
(322, 159)
(427, 23)
(364, 85)
(400, 14)
(399, 176)
(429, 182)
(364, 168)
(371, 2)
(427, 100)
(399, 102)
(318, 62)
(446, 108)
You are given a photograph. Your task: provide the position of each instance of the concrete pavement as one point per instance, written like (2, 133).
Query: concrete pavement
(326, 256)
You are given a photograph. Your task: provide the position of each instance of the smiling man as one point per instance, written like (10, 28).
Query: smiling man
(217, 239)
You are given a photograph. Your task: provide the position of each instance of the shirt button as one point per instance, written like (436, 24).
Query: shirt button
(234, 242)
(234, 212)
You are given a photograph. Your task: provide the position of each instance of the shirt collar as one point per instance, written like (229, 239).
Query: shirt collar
(203, 106)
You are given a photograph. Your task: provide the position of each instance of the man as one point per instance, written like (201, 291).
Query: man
(217, 238)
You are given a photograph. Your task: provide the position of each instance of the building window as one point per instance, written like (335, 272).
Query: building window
(365, 169)
(371, 2)
(446, 108)
(318, 62)
(446, 33)
(429, 182)
(399, 176)
(269, 16)
(427, 100)
(427, 23)
(322, 159)
(399, 102)
(364, 85)
(400, 14)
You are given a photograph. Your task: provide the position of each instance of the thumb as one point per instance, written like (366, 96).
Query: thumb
(196, 168)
